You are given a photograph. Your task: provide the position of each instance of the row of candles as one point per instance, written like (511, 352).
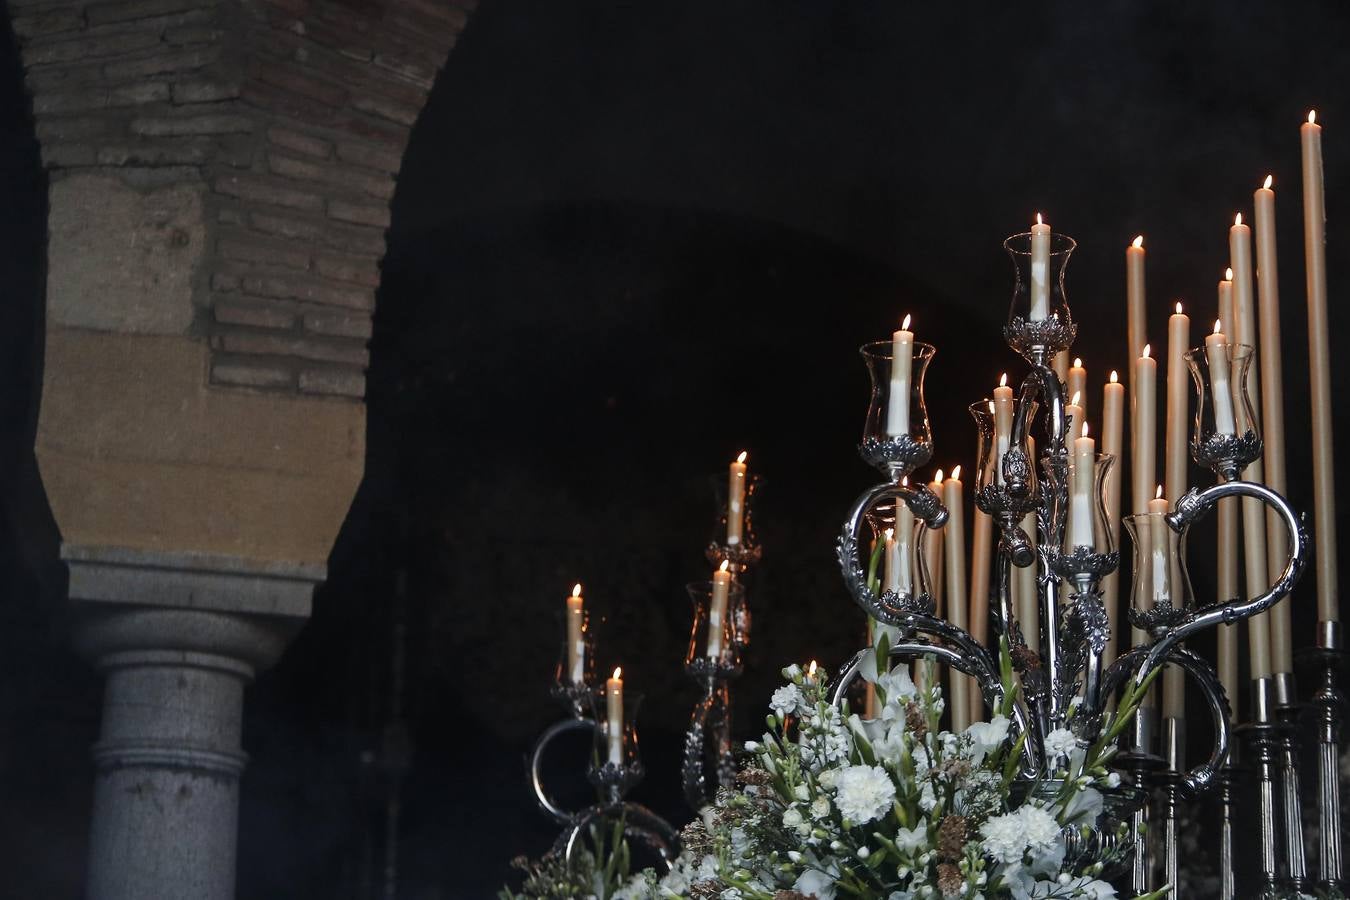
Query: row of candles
(1246, 294)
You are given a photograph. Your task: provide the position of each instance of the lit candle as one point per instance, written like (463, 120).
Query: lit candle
(1319, 370)
(890, 580)
(717, 609)
(1040, 271)
(1178, 383)
(576, 643)
(932, 555)
(902, 361)
(1144, 430)
(1113, 429)
(953, 497)
(1253, 511)
(1136, 322)
(1003, 415)
(904, 546)
(736, 500)
(1074, 411)
(1164, 574)
(1082, 532)
(614, 716)
(1220, 392)
(1077, 387)
(1272, 412)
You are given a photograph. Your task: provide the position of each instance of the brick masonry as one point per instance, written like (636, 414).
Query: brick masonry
(294, 114)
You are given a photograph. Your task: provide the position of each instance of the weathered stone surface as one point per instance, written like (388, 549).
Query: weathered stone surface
(253, 373)
(359, 213)
(100, 98)
(209, 123)
(104, 13)
(352, 325)
(299, 142)
(120, 259)
(348, 268)
(308, 288)
(280, 344)
(182, 60)
(239, 245)
(253, 312)
(336, 382)
(203, 90)
(260, 189)
(377, 158)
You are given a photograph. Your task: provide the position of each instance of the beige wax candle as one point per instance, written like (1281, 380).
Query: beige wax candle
(1113, 419)
(1144, 578)
(1319, 370)
(1178, 386)
(1077, 387)
(953, 497)
(1135, 321)
(1082, 524)
(1060, 363)
(1253, 511)
(614, 716)
(902, 364)
(1272, 413)
(717, 609)
(736, 500)
(1165, 588)
(1074, 411)
(1040, 271)
(1227, 585)
(932, 555)
(981, 558)
(576, 642)
(1003, 416)
(1024, 580)
(890, 580)
(904, 546)
(1144, 431)
(1220, 389)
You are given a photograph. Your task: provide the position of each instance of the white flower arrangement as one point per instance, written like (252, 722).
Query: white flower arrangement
(831, 806)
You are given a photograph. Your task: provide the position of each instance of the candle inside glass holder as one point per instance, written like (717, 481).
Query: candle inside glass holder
(1088, 523)
(901, 538)
(615, 714)
(714, 641)
(993, 424)
(1226, 433)
(1160, 575)
(896, 435)
(1039, 319)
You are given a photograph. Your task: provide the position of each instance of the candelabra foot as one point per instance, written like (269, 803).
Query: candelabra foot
(1142, 767)
(1265, 740)
(1326, 662)
(1291, 805)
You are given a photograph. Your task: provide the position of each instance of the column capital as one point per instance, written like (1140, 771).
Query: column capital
(144, 607)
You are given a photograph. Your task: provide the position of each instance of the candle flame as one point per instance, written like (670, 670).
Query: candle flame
(1312, 117)
(1147, 349)
(811, 669)
(904, 482)
(991, 406)
(937, 479)
(618, 670)
(1077, 362)
(576, 591)
(1138, 243)
(1076, 395)
(1237, 219)
(1085, 429)
(1003, 380)
(1270, 180)
(1218, 326)
(745, 454)
(956, 473)
(1038, 219)
(1158, 495)
(1114, 377)
(726, 564)
(904, 326)
(1178, 307)
(1228, 274)
(890, 534)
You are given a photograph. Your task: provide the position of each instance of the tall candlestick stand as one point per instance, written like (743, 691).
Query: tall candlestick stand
(1327, 660)
(1291, 802)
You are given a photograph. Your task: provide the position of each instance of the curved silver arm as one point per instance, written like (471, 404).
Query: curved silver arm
(537, 764)
(638, 822)
(1203, 776)
(1189, 508)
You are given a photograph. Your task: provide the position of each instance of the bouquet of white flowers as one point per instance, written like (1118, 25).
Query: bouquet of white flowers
(892, 808)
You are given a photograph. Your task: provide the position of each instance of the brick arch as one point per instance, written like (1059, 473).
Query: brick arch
(220, 179)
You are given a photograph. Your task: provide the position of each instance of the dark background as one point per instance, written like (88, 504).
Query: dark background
(628, 242)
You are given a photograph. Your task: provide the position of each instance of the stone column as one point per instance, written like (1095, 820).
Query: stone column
(178, 636)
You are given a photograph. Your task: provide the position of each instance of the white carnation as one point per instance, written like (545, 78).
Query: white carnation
(820, 807)
(1060, 743)
(1003, 838)
(1039, 829)
(814, 882)
(786, 700)
(865, 793)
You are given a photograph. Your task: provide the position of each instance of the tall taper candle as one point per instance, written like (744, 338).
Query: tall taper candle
(953, 497)
(1253, 510)
(1178, 387)
(902, 363)
(1271, 360)
(576, 642)
(904, 546)
(1136, 323)
(1228, 582)
(717, 609)
(1319, 370)
(1040, 271)
(736, 500)
(614, 716)
(1077, 385)
(1082, 524)
(1024, 580)
(1003, 416)
(1060, 363)
(1113, 419)
(1144, 431)
(932, 555)
(981, 558)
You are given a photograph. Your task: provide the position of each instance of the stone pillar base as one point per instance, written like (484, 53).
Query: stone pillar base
(178, 635)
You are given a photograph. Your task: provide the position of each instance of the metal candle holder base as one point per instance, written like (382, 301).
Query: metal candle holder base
(710, 720)
(1326, 662)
